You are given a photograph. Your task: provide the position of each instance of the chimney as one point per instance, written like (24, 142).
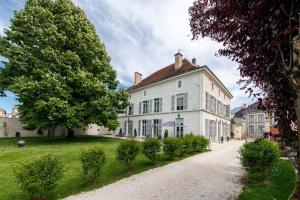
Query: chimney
(178, 60)
(194, 61)
(137, 78)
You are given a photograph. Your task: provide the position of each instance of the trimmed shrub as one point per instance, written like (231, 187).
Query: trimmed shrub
(199, 143)
(259, 156)
(170, 147)
(92, 162)
(127, 152)
(39, 176)
(151, 148)
(185, 144)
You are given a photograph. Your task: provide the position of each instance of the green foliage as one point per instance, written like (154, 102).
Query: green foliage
(93, 161)
(127, 151)
(37, 177)
(151, 148)
(259, 156)
(191, 143)
(185, 144)
(199, 143)
(59, 68)
(170, 147)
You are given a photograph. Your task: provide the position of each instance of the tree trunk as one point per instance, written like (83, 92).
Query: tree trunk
(70, 133)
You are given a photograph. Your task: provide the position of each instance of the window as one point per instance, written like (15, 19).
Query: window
(261, 129)
(251, 119)
(145, 106)
(130, 128)
(157, 105)
(145, 93)
(251, 129)
(130, 109)
(180, 101)
(219, 92)
(261, 118)
(212, 86)
(144, 127)
(179, 83)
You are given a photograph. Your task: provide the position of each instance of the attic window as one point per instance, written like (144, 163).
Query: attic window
(179, 84)
(145, 93)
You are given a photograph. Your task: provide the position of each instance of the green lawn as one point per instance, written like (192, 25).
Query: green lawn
(68, 152)
(279, 186)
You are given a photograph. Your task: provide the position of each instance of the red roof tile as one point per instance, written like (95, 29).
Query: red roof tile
(165, 73)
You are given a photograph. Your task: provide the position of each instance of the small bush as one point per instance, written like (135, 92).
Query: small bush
(259, 156)
(170, 147)
(92, 162)
(127, 152)
(199, 143)
(186, 144)
(151, 148)
(39, 176)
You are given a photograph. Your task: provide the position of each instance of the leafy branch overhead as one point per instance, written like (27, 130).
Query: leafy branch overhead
(59, 68)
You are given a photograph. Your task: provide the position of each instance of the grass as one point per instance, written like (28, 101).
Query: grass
(279, 186)
(68, 151)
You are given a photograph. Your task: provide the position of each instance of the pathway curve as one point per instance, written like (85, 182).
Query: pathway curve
(212, 175)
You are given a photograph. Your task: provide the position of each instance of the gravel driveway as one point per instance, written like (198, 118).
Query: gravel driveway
(212, 175)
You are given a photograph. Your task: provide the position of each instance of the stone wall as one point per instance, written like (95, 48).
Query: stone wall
(10, 126)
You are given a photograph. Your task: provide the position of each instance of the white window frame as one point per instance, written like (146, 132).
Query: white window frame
(179, 84)
(145, 106)
(251, 121)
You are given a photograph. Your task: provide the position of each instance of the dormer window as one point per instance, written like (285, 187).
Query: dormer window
(179, 84)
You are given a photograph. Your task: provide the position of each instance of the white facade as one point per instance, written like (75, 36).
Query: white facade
(183, 104)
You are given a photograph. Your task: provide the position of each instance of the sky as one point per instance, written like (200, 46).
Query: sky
(143, 36)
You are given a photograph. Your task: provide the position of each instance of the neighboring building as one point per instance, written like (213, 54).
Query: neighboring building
(251, 122)
(2, 113)
(181, 98)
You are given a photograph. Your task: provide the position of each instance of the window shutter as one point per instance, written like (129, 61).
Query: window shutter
(159, 126)
(150, 105)
(132, 109)
(139, 128)
(149, 127)
(140, 107)
(173, 103)
(126, 110)
(207, 101)
(160, 104)
(185, 101)
(206, 128)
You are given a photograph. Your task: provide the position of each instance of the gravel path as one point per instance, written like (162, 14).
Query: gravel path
(212, 175)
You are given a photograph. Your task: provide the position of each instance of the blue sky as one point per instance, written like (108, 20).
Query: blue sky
(143, 36)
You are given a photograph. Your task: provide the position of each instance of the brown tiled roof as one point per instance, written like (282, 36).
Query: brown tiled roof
(165, 73)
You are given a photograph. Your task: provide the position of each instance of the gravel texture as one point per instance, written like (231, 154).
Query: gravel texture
(207, 176)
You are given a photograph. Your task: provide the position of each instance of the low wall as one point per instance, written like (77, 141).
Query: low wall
(10, 126)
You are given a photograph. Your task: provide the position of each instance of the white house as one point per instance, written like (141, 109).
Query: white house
(181, 98)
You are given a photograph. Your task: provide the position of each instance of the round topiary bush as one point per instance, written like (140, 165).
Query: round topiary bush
(127, 152)
(259, 156)
(92, 162)
(151, 148)
(170, 147)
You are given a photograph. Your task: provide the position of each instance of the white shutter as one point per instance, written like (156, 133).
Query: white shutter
(185, 101)
(140, 107)
(150, 105)
(149, 124)
(207, 101)
(173, 103)
(139, 128)
(132, 109)
(160, 104)
(207, 128)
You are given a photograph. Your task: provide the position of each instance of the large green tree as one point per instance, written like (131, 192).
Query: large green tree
(59, 68)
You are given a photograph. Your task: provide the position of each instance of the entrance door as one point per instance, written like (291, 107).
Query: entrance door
(179, 127)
